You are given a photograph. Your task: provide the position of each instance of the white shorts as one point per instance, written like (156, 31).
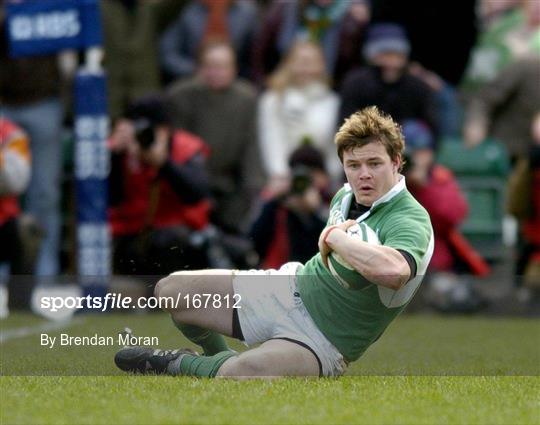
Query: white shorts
(271, 308)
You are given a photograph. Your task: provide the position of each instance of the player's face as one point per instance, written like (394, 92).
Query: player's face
(370, 172)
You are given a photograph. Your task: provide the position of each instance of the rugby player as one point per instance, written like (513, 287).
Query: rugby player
(312, 319)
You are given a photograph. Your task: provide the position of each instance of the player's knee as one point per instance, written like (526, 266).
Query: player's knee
(160, 285)
(168, 288)
(244, 366)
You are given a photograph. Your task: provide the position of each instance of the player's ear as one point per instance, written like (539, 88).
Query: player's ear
(396, 165)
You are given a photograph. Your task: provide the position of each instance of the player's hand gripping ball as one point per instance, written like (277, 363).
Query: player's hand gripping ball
(324, 249)
(344, 273)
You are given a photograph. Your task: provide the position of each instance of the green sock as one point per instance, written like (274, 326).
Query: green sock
(202, 366)
(210, 341)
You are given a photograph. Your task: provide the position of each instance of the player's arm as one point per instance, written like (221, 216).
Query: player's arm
(379, 264)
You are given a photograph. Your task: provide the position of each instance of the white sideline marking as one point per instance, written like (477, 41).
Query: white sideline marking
(9, 334)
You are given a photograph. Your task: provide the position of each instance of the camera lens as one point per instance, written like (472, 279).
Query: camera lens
(301, 180)
(144, 132)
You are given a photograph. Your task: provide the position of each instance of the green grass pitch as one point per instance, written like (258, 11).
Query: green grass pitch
(424, 370)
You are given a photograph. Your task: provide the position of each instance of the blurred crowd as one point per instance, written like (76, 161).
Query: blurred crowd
(222, 121)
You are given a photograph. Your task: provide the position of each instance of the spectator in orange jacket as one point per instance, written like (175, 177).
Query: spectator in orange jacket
(15, 164)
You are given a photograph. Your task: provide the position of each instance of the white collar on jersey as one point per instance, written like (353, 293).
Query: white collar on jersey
(399, 187)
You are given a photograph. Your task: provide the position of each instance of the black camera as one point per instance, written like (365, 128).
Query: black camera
(147, 113)
(144, 133)
(301, 180)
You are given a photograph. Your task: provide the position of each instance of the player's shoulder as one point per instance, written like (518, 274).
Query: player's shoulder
(408, 202)
(405, 225)
(406, 209)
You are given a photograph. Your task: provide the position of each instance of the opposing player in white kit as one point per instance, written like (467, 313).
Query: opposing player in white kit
(312, 319)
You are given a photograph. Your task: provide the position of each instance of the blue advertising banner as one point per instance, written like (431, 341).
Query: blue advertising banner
(92, 165)
(48, 26)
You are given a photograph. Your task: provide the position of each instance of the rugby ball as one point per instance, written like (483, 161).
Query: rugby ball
(342, 271)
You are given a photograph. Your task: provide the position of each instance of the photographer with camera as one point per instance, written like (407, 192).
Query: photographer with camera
(290, 222)
(159, 193)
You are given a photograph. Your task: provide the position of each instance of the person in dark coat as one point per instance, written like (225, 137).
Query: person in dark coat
(386, 83)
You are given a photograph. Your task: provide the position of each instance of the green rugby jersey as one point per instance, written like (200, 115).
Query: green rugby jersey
(353, 319)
